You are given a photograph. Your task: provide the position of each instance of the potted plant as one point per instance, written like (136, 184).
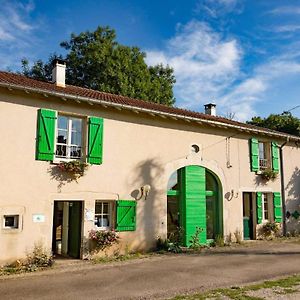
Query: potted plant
(74, 168)
(268, 174)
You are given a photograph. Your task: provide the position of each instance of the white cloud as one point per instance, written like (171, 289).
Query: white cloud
(215, 8)
(286, 10)
(17, 32)
(287, 28)
(205, 64)
(259, 87)
(208, 68)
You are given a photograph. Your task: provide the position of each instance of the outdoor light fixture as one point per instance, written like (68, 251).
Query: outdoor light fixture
(145, 189)
(229, 195)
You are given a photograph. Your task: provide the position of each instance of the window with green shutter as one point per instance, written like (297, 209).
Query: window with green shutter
(45, 140)
(259, 211)
(254, 155)
(95, 140)
(275, 157)
(60, 136)
(277, 207)
(126, 215)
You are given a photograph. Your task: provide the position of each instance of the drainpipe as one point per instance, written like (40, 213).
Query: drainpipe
(282, 187)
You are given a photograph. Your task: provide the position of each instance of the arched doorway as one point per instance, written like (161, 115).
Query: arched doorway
(194, 200)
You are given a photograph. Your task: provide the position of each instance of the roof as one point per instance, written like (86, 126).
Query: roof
(17, 81)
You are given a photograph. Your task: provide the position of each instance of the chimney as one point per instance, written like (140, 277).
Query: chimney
(210, 109)
(59, 72)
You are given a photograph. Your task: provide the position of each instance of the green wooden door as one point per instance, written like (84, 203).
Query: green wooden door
(75, 220)
(247, 216)
(192, 208)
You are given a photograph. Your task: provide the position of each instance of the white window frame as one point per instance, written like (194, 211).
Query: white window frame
(265, 161)
(268, 197)
(16, 221)
(68, 145)
(109, 214)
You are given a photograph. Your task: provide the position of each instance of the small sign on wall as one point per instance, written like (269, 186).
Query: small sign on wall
(38, 218)
(89, 215)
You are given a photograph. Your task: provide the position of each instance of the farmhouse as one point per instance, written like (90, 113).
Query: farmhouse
(75, 159)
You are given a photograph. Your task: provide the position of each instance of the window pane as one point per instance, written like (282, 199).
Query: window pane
(261, 150)
(61, 150)
(76, 124)
(62, 122)
(172, 184)
(105, 208)
(11, 221)
(98, 221)
(266, 208)
(76, 138)
(62, 137)
(105, 221)
(98, 208)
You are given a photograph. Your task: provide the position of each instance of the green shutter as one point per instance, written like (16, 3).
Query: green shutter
(95, 140)
(45, 134)
(259, 211)
(277, 207)
(126, 215)
(192, 202)
(254, 155)
(275, 157)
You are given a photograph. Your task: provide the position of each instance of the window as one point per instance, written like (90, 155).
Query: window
(11, 221)
(267, 206)
(103, 214)
(69, 137)
(264, 155)
(64, 137)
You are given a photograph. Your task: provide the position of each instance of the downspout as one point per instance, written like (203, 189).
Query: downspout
(282, 187)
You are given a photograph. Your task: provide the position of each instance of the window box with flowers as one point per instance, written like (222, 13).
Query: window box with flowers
(74, 168)
(103, 239)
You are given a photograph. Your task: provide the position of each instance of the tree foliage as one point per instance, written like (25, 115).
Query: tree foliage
(284, 122)
(96, 60)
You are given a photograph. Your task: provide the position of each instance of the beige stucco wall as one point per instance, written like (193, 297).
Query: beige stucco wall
(291, 163)
(138, 150)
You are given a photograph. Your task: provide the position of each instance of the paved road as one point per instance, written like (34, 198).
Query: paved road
(158, 277)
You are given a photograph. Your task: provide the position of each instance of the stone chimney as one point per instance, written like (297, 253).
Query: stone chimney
(210, 109)
(59, 72)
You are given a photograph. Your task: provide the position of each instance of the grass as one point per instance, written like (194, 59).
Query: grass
(240, 293)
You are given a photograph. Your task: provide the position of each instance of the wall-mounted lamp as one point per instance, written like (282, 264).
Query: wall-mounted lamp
(231, 194)
(145, 189)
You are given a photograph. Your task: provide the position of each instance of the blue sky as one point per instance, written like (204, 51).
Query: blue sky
(244, 55)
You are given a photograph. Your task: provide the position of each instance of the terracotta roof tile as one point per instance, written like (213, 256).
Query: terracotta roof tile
(23, 81)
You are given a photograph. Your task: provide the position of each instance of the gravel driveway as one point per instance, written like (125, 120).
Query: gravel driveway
(158, 277)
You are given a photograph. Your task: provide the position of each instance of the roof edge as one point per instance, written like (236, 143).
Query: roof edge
(119, 106)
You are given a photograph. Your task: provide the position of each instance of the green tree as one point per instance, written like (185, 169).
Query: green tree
(284, 122)
(96, 60)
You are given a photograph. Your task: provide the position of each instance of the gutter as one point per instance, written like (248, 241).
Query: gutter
(282, 187)
(153, 112)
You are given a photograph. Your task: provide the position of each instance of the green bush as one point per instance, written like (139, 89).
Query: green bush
(40, 257)
(171, 244)
(269, 229)
(195, 239)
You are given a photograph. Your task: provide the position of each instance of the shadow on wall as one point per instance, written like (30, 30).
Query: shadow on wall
(293, 202)
(293, 185)
(149, 210)
(258, 181)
